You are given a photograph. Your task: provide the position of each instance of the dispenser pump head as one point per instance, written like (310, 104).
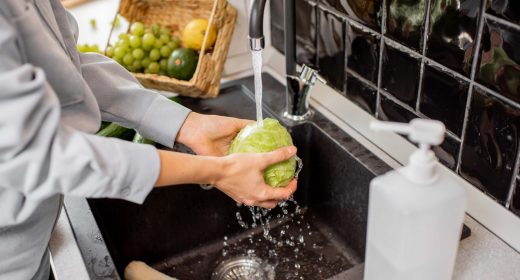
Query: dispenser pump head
(426, 133)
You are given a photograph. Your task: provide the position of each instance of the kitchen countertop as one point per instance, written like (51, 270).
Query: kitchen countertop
(481, 256)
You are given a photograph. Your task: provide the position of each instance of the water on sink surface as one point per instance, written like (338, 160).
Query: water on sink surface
(301, 248)
(257, 70)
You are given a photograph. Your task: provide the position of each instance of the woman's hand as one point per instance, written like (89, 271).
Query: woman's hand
(242, 178)
(209, 135)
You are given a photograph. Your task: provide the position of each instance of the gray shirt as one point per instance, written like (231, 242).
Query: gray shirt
(52, 100)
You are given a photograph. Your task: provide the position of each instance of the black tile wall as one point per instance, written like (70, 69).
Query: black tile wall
(391, 111)
(491, 145)
(448, 152)
(452, 33)
(364, 11)
(507, 9)
(400, 75)
(455, 61)
(499, 59)
(443, 97)
(362, 50)
(405, 21)
(331, 47)
(364, 95)
(306, 33)
(277, 25)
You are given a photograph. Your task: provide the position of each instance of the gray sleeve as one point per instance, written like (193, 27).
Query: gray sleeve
(123, 100)
(41, 157)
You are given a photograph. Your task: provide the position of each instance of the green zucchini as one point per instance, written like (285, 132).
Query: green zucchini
(138, 138)
(117, 131)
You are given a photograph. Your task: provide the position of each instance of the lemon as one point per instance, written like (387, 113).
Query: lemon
(193, 34)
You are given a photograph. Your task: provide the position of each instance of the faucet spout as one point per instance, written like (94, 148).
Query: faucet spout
(256, 25)
(298, 84)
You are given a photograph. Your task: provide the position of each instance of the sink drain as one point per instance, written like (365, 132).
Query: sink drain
(243, 268)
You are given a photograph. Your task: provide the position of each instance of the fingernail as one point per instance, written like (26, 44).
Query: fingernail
(291, 150)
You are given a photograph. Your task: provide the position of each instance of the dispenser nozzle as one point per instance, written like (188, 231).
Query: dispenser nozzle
(421, 168)
(421, 131)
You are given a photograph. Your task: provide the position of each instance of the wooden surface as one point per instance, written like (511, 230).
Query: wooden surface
(73, 3)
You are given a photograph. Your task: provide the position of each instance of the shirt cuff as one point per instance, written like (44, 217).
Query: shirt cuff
(138, 171)
(162, 121)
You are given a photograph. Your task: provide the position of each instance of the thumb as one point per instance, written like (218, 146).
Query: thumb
(241, 123)
(278, 155)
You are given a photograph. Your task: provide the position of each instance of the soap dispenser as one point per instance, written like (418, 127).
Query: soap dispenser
(415, 213)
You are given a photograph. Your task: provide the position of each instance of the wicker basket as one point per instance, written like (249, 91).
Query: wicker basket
(175, 14)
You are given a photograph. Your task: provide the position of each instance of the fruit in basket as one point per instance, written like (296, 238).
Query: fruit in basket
(193, 34)
(144, 49)
(84, 48)
(137, 28)
(182, 63)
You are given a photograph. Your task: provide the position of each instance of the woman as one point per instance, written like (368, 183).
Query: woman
(52, 100)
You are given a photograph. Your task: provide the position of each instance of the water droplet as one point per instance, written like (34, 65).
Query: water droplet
(297, 265)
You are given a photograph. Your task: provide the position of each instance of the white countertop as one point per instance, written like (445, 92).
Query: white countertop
(481, 256)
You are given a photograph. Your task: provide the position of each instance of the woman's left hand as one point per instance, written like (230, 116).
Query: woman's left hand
(209, 135)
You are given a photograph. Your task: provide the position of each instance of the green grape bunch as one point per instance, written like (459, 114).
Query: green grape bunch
(145, 49)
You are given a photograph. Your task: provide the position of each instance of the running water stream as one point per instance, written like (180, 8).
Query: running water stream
(257, 70)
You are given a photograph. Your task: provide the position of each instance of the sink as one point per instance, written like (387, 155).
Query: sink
(186, 231)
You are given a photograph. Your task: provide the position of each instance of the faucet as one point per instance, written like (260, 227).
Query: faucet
(298, 85)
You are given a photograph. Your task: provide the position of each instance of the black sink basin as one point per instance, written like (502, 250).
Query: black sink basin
(186, 231)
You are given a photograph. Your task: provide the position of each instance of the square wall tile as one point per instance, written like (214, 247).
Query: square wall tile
(443, 98)
(391, 111)
(515, 199)
(506, 9)
(365, 11)
(362, 51)
(363, 95)
(448, 152)
(453, 27)
(277, 26)
(500, 59)
(491, 144)
(331, 48)
(405, 21)
(400, 75)
(305, 33)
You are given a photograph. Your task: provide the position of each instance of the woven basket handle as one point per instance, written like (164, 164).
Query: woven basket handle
(210, 23)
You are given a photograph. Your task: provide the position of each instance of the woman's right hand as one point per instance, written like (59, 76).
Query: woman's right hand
(241, 178)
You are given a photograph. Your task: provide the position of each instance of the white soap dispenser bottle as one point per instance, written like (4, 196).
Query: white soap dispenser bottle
(415, 213)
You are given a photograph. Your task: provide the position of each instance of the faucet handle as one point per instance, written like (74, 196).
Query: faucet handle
(309, 75)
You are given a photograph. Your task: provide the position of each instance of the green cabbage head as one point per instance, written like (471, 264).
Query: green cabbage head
(255, 138)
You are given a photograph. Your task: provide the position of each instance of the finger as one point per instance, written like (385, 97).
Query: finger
(241, 123)
(270, 204)
(278, 155)
(282, 193)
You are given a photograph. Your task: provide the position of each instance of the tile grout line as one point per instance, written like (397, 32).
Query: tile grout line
(423, 53)
(430, 62)
(408, 108)
(476, 54)
(512, 186)
(380, 66)
(344, 23)
(503, 21)
(361, 78)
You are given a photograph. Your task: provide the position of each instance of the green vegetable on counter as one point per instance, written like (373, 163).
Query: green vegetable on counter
(117, 131)
(269, 136)
(138, 138)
